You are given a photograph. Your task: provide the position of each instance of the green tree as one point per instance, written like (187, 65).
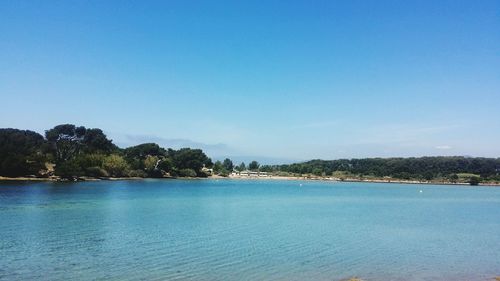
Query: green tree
(454, 178)
(83, 149)
(242, 167)
(228, 165)
(218, 167)
(150, 163)
(135, 155)
(166, 164)
(151, 166)
(142, 150)
(65, 141)
(317, 171)
(412, 168)
(69, 169)
(21, 152)
(266, 168)
(90, 160)
(209, 164)
(187, 158)
(95, 141)
(253, 166)
(116, 166)
(91, 164)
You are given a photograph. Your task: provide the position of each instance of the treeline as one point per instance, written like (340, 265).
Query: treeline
(70, 151)
(422, 168)
(226, 167)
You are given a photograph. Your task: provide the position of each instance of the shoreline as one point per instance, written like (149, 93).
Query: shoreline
(242, 177)
(56, 179)
(397, 181)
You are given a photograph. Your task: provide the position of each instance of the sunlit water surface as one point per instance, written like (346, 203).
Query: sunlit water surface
(247, 230)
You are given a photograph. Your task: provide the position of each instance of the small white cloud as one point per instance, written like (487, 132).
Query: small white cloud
(443, 147)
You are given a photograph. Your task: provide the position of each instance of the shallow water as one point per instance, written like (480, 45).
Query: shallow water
(247, 230)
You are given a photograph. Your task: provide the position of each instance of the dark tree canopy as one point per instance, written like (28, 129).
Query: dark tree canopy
(78, 151)
(187, 158)
(143, 150)
(242, 167)
(95, 141)
(20, 152)
(65, 141)
(218, 167)
(65, 131)
(228, 165)
(253, 166)
(422, 168)
(136, 155)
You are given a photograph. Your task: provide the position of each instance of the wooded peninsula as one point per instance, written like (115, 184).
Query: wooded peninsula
(69, 152)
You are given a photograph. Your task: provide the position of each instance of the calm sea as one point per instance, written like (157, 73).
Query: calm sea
(247, 230)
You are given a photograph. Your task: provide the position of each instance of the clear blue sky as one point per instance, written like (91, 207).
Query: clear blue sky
(282, 79)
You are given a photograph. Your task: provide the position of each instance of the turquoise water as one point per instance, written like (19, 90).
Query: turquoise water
(247, 230)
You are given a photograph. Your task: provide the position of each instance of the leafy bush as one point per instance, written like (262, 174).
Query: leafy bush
(69, 169)
(116, 166)
(166, 164)
(96, 172)
(90, 160)
(203, 174)
(474, 180)
(187, 173)
(317, 172)
(174, 172)
(138, 174)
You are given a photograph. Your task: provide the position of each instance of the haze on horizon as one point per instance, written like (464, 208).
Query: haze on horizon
(270, 79)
